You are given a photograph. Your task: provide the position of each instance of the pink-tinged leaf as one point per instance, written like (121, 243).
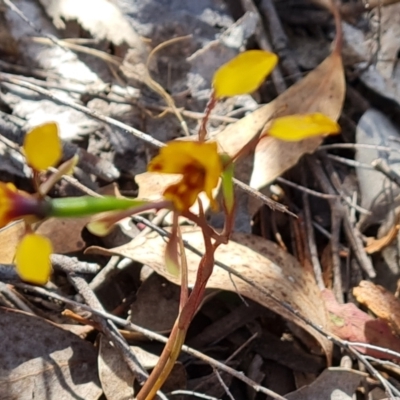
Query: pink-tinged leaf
(350, 323)
(172, 265)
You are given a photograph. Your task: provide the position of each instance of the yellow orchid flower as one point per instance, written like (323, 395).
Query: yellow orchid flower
(198, 163)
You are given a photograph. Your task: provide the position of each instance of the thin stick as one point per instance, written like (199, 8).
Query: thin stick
(356, 146)
(373, 347)
(241, 347)
(351, 163)
(382, 166)
(353, 235)
(264, 44)
(192, 394)
(311, 238)
(223, 384)
(273, 205)
(279, 39)
(154, 85)
(390, 390)
(307, 190)
(336, 222)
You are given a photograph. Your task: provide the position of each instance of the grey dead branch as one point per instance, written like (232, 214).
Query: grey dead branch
(281, 297)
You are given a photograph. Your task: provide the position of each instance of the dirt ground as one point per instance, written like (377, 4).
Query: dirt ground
(303, 301)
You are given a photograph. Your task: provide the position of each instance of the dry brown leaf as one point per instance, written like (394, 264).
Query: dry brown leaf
(64, 233)
(81, 331)
(152, 185)
(334, 383)
(254, 257)
(116, 379)
(146, 359)
(348, 322)
(157, 304)
(177, 380)
(40, 360)
(375, 245)
(9, 239)
(381, 302)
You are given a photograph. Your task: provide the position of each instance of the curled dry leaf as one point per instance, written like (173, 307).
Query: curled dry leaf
(381, 302)
(348, 322)
(43, 361)
(375, 245)
(255, 258)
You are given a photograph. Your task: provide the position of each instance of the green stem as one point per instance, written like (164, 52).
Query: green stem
(86, 205)
(227, 183)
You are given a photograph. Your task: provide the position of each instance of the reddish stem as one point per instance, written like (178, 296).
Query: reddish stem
(209, 107)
